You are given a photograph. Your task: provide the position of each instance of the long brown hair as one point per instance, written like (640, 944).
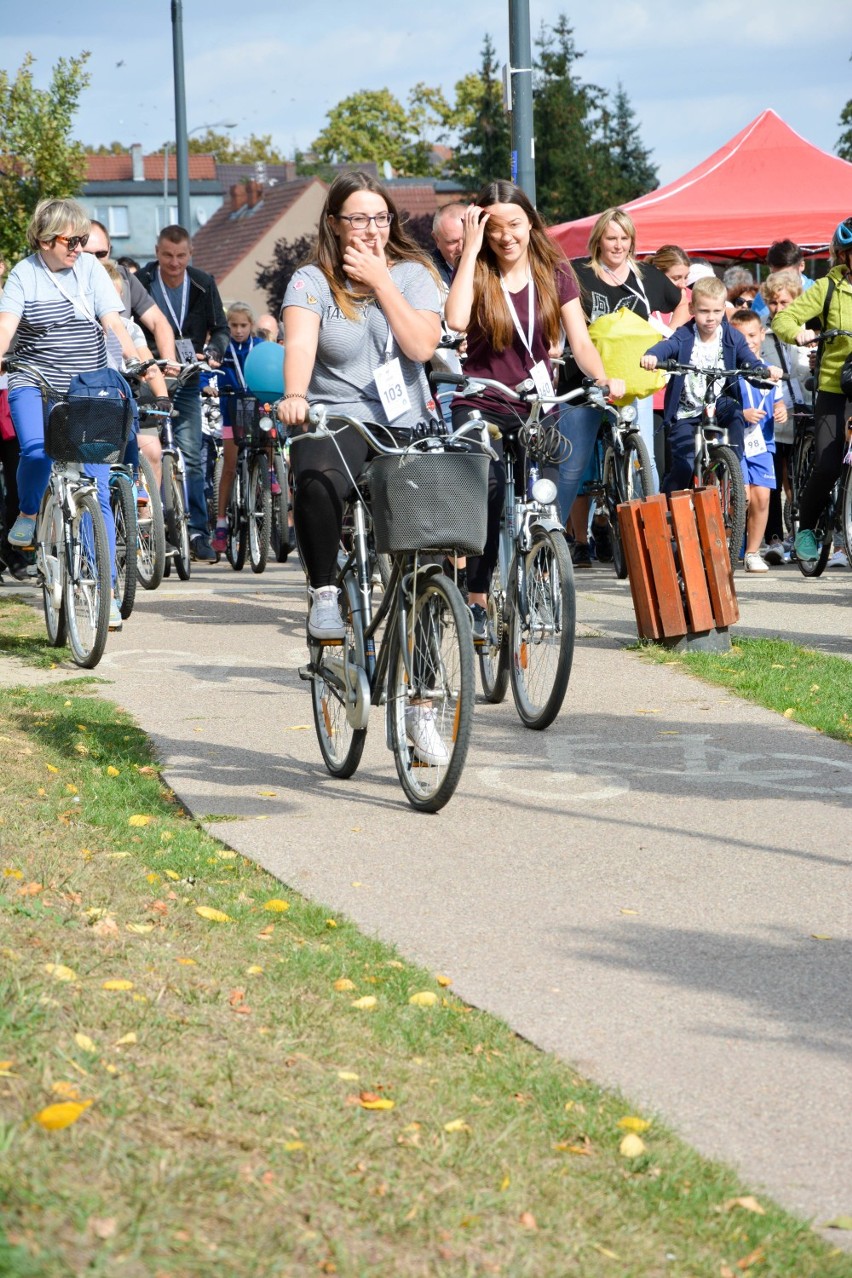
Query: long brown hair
(399, 248)
(489, 303)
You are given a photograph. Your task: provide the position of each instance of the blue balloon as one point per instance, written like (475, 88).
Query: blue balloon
(264, 369)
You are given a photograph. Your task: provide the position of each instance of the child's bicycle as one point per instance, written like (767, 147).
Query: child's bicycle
(622, 467)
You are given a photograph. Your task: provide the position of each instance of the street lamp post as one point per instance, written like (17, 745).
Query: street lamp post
(520, 71)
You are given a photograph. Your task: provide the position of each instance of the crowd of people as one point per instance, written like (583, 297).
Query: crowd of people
(361, 321)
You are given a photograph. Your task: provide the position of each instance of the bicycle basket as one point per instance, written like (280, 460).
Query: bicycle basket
(87, 430)
(246, 416)
(430, 501)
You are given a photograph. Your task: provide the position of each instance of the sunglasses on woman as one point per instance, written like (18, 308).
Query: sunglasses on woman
(72, 241)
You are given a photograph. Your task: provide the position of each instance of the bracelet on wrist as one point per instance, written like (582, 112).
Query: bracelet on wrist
(295, 395)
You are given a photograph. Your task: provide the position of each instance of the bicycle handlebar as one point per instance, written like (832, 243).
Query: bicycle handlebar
(320, 417)
(526, 393)
(751, 375)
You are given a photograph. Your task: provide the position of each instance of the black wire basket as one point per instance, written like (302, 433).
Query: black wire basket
(87, 430)
(430, 501)
(247, 413)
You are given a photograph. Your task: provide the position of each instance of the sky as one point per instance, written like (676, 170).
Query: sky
(695, 71)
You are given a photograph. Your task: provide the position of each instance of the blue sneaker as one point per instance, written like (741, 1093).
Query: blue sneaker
(115, 621)
(807, 546)
(22, 533)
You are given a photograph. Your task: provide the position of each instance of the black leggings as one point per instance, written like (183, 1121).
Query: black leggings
(321, 486)
(829, 439)
(481, 567)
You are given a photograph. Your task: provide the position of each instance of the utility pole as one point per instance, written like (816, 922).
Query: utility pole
(181, 142)
(520, 77)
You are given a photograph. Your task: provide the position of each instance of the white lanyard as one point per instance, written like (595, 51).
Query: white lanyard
(757, 397)
(526, 338)
(75, 301)
(241, 377)
(168, 301)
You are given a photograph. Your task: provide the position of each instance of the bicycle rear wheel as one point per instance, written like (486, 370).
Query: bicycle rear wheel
(174, 511)
(150, 530)
(542, 617)
(431, 691)
(846, 511)
(88, 583)
(259, 510)
(625, 480)
(494, 653)
(341, 745)
(726, 473)
(279, 533)
(123, 501)
(237, 531)
(50, 559)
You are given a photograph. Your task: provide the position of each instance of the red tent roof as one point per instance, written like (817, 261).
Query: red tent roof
(766, 184)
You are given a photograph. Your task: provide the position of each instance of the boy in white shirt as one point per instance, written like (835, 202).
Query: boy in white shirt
(762, 407)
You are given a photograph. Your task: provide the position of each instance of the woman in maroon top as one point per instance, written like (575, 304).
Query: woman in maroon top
(514, 294)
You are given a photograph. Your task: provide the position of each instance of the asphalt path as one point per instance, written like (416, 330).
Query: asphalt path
(657, 888)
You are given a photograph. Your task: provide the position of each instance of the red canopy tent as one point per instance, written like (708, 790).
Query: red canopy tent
(766, 184)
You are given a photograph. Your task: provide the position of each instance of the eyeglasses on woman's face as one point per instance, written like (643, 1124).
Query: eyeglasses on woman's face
(72, 242)
(360, 221)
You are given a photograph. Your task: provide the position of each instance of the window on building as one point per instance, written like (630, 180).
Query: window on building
(116, 219)
(166, 216)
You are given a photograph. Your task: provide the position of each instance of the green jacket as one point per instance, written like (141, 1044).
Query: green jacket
(810, 306)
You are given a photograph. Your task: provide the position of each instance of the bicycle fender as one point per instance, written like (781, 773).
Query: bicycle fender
(545, 525)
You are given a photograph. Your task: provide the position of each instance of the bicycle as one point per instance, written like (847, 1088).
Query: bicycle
(122, 498)
(836, 515)
(622, 468)
(531, 606)
(282, 537)
(71, 548)
(150, 523)
(250, 501)
(715, 460)
(429, 495)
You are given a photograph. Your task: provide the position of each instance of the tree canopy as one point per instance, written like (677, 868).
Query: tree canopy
(844, 142)
(38, 157)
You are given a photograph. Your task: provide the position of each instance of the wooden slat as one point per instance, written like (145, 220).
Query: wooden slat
(717, 562)
(658, 540)
(698, 605)
(639, 571)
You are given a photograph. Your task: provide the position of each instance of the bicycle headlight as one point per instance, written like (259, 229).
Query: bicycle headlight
(544, 492)
(628, 414)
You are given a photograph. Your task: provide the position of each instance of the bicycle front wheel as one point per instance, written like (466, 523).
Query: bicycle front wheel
(237, 533)
(279, 533)
(431, 690)
(625, 480)
(726, 473)
(150, 530)
(174, 510)
(494, 653)
(542, 618)
(50, 559)
(88, 583)
(123, 502)
(341, 745)
(259, 509)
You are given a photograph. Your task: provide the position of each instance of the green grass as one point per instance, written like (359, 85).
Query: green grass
(814, 688)
(230, 1134)
(22, 633)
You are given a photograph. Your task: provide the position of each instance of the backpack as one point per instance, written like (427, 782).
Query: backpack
(103, 383)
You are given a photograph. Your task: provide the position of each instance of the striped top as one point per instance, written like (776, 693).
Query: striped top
(54, 334)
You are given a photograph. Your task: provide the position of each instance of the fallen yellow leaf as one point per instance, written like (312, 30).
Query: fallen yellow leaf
(344, 984)
(425, 998)
(140, 818)
(456, 1125)
(789, 713)
(187, 962)
(331, 923)
(505, 1183)
(13, 874)
(254, 970)
(839, 1222)
(60, 972)
(112, 772)
(68, 1091)
(632, 1146)
(54, 1117)
(268, 794)
(227, 855)
(748, 1203)
(140, 929)
(291, 1146)
(6, 1069)
(117, 985)
(153, 877)
(347, 1076)
(170, 874)
(51, 768)
(443, 980)
(366, 1003)
(70, 789)
(276, 906)
(820, 936)
(368, 1101)
(127, 1041)
(214, 916)
(84, 1042)
(632, 1124)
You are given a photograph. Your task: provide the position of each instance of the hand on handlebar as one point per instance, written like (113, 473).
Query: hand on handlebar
(293, 411)
(614, 387)
(806, 336)
(648, 362)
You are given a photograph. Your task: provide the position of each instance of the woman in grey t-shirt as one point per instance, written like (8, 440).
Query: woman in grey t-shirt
(368, 298)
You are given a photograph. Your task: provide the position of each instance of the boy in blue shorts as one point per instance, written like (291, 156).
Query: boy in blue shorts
(762, 407)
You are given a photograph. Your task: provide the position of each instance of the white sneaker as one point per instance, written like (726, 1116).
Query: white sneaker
(775, 552)
(325, 620)
(423, 736)
(838, 560)
(754, 562)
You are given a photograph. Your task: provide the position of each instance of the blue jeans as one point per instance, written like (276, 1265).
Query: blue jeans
(682, 442)
(27, 410)
(187, 429)
(580, 426)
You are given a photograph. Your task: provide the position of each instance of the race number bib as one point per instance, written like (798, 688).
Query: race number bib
(391, 388)
(185, 350)
(541, 378)
(754, 444)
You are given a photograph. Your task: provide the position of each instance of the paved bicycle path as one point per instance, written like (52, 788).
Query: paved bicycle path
(657, 888)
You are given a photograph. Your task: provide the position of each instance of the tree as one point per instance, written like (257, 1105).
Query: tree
(844, 142)
(484, 147)
(251, 150)
(38, 159)
(632, 174)
(370, 125)
(288, 256)
(114, 148)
